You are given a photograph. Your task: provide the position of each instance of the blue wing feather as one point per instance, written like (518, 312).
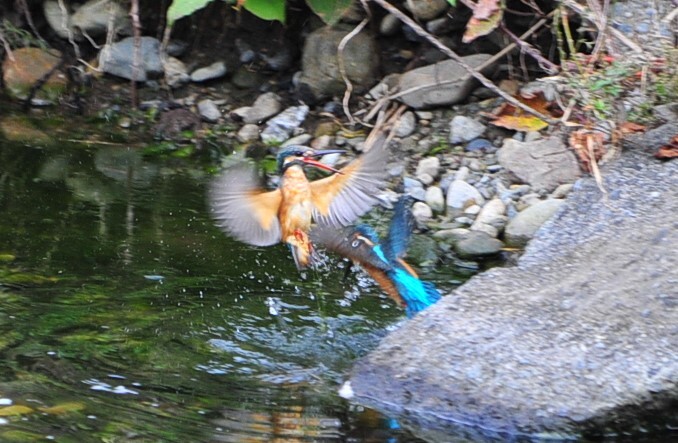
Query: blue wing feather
(418, 295)
(400, 229)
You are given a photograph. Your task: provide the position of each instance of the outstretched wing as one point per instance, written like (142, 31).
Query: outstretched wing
(242, 209)
(341, 198)
(344, 242)
(399, 230)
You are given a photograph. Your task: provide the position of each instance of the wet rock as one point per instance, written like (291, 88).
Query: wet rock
(279, 128)
(423, 251)
(248, 133)
(245, 78)
(28, 67)
(421, 212)
(441, 84)
(427, 9)
(176, 73)
(464, 129)
(265, 106)
(320, 65)
(523, 226)
(563, 344)
(174, 122)
(406, 125)
(435, 199)
(215, 70)
(461, 195)
(543, 164)
(209, 111)
(118, 59)
(477, 244)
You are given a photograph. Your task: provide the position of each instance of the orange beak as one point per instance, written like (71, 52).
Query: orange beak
(308, 160)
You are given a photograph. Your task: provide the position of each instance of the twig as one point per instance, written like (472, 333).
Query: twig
(8, 48)
(342, 67)
(29, 18)
(69, 30)
(670, 16)
(454, 56)
(136, 27)
(547, 65)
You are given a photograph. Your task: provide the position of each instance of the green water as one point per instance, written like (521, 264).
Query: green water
(125, 315)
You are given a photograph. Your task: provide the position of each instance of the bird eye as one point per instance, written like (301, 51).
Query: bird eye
(355, 243)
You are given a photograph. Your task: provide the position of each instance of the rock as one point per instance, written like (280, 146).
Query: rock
(265, 106)
(523, 226)
(435, 199)
(118, 59)
(462, 173)
(59, 20)
(423, 251)
(248, 133)
(209, 111)
(472, 210)
(425, 179)
(562, 190)
(421, 212)
(543, 164)
(414, 188)
(464, 129)
(173, 123)
(406, 125)
(491, 218)
(215, 70)
(427, 9)
(428, 165)
(28, 67)
(577, 341)
(441, 84)
(245, 78)
(279, 128)
(280, 60)
(93, 18)
(390, 25)
(18, 128)
(320, 65)
(478, 144)
(477, 244)
(453, 235)
(176, 73)
(301, 139)
(461, 195)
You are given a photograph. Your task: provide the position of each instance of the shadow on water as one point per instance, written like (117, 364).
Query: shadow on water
(125, 315)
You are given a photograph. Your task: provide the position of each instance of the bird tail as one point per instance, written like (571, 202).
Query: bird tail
(418, 295)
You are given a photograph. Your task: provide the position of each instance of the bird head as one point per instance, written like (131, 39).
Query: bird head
(304, 155)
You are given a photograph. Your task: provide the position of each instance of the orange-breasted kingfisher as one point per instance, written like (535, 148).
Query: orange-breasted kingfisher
(262, 218)
(383, 259)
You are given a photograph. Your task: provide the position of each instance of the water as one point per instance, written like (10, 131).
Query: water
(125, 315)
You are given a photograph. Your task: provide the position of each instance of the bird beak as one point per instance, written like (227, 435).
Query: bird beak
(307, 159)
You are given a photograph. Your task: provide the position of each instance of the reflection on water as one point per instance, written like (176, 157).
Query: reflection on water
(126, 316)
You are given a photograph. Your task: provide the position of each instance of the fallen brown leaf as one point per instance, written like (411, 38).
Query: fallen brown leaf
(669, 150)
(486, 17)
(511, 117)
(589, 147)
(630, 128)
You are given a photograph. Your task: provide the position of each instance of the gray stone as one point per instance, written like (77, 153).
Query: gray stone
(176, 73)
(453, 235)
(215, 70)
(492, 218)
(279, 128)
(464, 129)
(406, 125)
(441, 84)
(576, 341)
(562, 191)
(320, 63)
(301, 139)
(522, 227)
(428, 165)
(427, 9)
(425, 178)
(477, 244)
(423, 251)
(421, 212)
(543, 164)
(93, 18)
(435, 199)
(118, 59)
(462, 173)
(390, 25)
(264, 107)
(248, 133)
(209, 111)
(461, 195)
(59, 20)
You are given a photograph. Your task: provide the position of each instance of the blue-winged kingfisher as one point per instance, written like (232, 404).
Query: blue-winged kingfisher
(262, 218)
(383, 259)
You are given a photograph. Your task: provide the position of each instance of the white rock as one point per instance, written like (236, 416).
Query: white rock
(435, 199)
(406, 125)
(248, 133)
(428, 165)
(472, 210)
(215, 70)
(176, 73)
(264, 107)
(461, 195)
(209, 111)
(462, 174)
(421, 212)
(523, 226)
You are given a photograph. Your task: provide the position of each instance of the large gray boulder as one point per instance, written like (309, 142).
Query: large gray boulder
(579, 339)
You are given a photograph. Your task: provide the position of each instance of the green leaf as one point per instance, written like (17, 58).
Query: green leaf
(267, 9)
(330, 11)
(452, 3)
(181, 8)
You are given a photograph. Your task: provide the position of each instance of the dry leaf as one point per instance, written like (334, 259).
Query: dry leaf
(486, 17)
(511, 117)
(630, 128)
(588, 146)
(669, 150)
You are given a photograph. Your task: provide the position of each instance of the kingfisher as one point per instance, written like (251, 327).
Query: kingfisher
(383, 259)
(258, 217)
